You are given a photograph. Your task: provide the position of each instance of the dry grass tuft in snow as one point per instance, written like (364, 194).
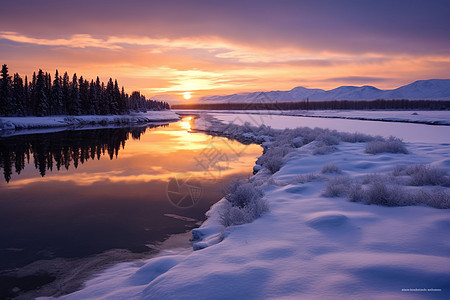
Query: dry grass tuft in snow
(331, 168)
(437, 198)
(387, 191)
(273, 158)
(304, 178)
(423, 175)
(240, 194)
(337, 186)
(390, 145)
(322, 149)
(244, 204)
(381, 192)
(357, 137)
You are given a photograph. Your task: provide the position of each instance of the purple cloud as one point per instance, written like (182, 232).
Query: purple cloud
(351, 26)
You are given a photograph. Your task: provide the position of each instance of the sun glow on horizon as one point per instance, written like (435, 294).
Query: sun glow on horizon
(187, 95)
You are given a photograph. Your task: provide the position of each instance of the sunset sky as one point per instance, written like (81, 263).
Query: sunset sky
(219, 47)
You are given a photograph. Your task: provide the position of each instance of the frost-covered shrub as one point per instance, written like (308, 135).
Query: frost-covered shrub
(427, 175)
(263, 130)
(297, 142)
(331, 168)
(284, 138)
(380, 190)
(329, 138)
(262, 178)
(245, 204)
(355, 192)
(399, 170)
(369, 178)
(385, 190)
(241, 194)
(381, 193)
(244, 133)
(274, 164)
(357, 137)
(423, 175)
(306, 134)
(337, 187)
(437, 198)
(233, 215)
(273, 158)
(304, 178)
(322, 149)
(390, 145)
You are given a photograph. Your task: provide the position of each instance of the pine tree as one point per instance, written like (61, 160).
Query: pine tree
(27, 98)
(93, 99)
(74, 107)
(104, 104)
(65, 93)
(41, 104)
(5, 93)
(124, 100)
(33, 95)
(48, 87)
(98, 97)
(84, 96)
(134, 100)
(18, 95)
(110, 92)
(117, 99)
(57, 95)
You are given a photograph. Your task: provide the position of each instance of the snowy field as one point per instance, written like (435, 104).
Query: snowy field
(320, 238)
(12, 123)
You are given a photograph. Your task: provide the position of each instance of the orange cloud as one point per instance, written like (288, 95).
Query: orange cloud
(207, 65)
(77, 40)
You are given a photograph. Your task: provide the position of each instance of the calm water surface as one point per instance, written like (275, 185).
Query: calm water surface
(78, 193)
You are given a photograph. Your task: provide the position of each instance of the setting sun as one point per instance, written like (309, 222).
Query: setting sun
(187, 95)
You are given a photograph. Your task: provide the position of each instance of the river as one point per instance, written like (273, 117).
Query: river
(76, 201)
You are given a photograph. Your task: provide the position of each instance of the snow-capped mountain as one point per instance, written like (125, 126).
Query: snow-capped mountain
(432, 89)
(425, 89)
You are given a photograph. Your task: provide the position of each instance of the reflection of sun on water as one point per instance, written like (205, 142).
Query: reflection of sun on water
(162, 154)
(186, 123)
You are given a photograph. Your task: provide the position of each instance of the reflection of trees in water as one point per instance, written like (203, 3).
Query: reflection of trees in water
(62, 149)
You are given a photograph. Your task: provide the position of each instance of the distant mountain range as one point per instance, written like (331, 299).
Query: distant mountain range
(432, 89)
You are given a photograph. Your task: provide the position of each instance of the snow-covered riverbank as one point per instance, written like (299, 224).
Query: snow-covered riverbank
(313, 243)
(12, 123)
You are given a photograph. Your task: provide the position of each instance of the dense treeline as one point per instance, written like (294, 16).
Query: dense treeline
(322, 105)
(61, 95)
(61, 149)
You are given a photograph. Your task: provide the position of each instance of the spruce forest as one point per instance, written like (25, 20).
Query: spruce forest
(45, 95)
